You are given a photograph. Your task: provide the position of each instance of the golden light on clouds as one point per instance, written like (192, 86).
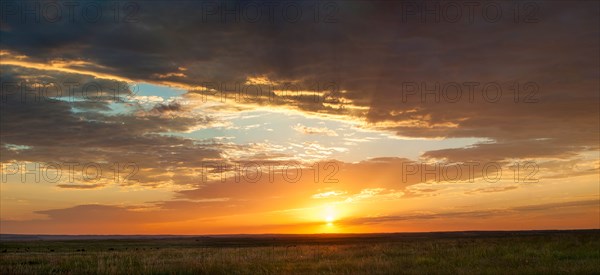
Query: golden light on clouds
(354, 126)
(60, 66)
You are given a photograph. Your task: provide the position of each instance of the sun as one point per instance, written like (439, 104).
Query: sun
(330, 215)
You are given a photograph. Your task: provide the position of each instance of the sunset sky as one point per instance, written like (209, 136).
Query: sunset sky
(218, 117)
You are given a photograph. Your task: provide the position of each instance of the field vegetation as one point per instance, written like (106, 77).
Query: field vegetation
(540, 252)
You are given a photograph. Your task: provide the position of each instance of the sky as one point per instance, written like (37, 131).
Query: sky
(228, 117)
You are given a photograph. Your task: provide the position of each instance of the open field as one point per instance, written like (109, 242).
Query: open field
(412, 253)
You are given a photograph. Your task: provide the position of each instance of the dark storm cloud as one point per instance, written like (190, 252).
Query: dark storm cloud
(371, 52)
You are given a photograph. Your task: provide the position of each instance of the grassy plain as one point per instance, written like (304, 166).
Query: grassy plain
(528, 252)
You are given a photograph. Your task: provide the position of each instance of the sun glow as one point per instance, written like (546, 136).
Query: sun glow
(330, 215)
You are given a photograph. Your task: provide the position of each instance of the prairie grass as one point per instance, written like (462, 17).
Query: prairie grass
(577, 253)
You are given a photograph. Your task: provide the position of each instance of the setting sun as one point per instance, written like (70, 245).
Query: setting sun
(330, 215)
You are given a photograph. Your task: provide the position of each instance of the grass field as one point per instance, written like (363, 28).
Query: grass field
(461, 252)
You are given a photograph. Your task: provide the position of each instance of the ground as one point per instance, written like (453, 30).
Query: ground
(537, 252)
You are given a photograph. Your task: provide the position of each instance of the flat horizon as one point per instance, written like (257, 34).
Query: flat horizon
(312, 234)
(352, 118)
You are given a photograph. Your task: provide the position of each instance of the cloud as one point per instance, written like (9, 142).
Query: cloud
(314, 130)
(92, 132)
(97, 218)
(328, 194)
(80, 186)
(492, 189)
(364, 63)
(167, 108)
(582, 205)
